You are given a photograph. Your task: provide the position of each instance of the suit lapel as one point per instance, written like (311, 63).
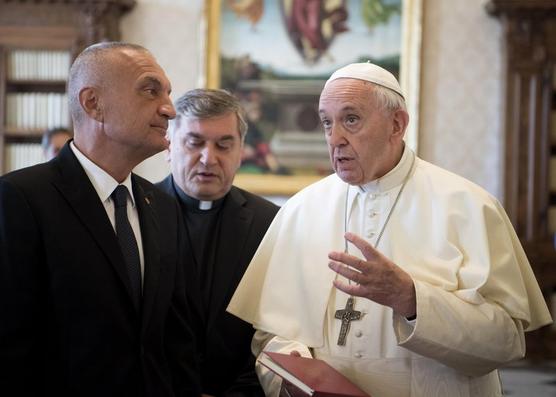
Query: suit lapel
(74, 185)
(151, 250)
(236, 221)
(167, 185)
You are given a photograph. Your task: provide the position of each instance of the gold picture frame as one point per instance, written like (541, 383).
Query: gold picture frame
(409, 72)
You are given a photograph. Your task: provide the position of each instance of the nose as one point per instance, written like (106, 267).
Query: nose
(208, 155)
(167, 109)
(336, 135)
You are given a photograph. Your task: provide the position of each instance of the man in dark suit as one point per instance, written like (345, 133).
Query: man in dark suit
(92, 297)
(224, 227)
(53, 140)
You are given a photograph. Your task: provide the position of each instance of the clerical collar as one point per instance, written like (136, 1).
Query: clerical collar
(193, 204)
(393, 178)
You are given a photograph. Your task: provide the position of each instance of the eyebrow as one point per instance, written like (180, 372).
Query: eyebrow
(150, 80)
(193, 134)
(227, 138)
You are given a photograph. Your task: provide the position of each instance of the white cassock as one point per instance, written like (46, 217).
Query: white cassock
(476, 292)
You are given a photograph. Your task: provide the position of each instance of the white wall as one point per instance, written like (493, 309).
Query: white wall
(461, 91)
(461, 79)
(170, 29)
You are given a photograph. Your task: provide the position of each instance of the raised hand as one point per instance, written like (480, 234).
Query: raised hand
(376, 278)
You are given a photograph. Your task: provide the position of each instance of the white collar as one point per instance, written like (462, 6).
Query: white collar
(390, 180)
(205, 205)
(103, 183)
(394, 177)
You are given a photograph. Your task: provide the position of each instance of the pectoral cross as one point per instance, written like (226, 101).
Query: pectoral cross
(347, 315)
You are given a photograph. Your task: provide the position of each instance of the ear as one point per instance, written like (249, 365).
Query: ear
(90, 103)
(400, 120)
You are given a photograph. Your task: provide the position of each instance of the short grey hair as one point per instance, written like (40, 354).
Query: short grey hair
(90, 66)
(388, 99)
(206, 103)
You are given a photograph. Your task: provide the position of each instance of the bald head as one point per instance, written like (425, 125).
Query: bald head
(92, 68)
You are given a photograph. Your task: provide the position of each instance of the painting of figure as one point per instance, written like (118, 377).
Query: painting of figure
(275, 55)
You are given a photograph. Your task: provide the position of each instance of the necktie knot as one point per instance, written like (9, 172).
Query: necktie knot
(119, 195)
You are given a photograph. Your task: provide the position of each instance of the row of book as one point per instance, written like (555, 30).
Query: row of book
(20, 155)
(36, 110)
(38, 65)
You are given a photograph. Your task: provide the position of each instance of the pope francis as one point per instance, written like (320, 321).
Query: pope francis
(406, 278)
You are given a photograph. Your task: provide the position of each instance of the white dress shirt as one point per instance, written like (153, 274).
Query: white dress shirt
(104, 185)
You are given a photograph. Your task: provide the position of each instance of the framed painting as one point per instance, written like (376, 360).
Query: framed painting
(275, 56)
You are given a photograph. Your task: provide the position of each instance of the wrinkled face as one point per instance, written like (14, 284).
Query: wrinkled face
(57, 141)
(136, 103)
(364, 141)
(205, 154)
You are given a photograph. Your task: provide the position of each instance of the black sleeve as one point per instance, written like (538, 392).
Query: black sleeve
(23, 296)
(247, 383)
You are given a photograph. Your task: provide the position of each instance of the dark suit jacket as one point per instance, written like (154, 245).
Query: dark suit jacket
(68, 326)
(227, 367)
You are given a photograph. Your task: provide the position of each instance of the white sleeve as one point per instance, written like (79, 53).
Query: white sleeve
(474, 319)
(271, 383)
(474, 338)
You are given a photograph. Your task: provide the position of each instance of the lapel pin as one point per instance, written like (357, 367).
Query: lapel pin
(147, 201)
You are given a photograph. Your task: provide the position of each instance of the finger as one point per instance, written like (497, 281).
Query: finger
(350, 289)
(348, 259)
(368, 251)
(346, 271)
(295, 353)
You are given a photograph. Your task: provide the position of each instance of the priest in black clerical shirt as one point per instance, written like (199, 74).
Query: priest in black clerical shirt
(224, 226)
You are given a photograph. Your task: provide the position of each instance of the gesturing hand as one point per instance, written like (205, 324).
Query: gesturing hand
(376, 278)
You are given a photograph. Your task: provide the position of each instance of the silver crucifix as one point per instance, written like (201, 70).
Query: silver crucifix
(346, 315)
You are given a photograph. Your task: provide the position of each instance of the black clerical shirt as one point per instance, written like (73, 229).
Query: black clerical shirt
(203, 230)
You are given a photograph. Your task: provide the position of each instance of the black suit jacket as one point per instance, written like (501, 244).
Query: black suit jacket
(227, 365)
(68, 326)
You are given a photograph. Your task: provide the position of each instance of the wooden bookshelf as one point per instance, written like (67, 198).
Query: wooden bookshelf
(46, 26)
(35, 86)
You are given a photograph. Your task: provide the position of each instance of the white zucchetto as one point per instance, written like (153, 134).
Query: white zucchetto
(368, 72)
